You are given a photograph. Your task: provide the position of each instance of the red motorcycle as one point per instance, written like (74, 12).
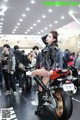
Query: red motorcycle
(58, 96)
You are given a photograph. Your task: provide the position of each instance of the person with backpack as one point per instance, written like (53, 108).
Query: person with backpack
(20, 59)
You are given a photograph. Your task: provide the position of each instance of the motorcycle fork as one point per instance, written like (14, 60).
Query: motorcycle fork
(51, 99)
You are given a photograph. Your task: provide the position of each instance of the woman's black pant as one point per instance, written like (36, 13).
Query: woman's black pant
(9, 81)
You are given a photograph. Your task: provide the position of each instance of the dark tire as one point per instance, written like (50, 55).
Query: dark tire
(64, 106)
(78, 81)
(23, 83)
(28, 83)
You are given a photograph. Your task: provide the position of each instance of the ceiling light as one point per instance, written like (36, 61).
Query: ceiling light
(74, 18)
(70, 12)
(28, 30)
(20, 20)
(1, 23)
(16, 26)
(45, 28)
(3, 10)
(28, 9)
(18, 23)
(50, 25)
(34, 24)
(32, 1)
(50, 10)
(0, 29)
(79, 5)
(31, 27)
(24, 15)
(38, 21)
(62, 17)
(56, 21)
(13, 32)
(5, 0)
(0, 26)
(38, 33)
(2, 19)
(43, 16)
(42, 30)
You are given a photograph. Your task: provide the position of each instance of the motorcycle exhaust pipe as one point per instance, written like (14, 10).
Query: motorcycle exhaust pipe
(40, 82)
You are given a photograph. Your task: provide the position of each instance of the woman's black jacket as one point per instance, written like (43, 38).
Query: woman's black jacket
(49, 54)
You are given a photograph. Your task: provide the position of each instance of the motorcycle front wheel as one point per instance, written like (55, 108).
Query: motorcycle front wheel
(64, 106)
(26, 83)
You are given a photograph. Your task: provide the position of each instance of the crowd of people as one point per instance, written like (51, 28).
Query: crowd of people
(9, 66)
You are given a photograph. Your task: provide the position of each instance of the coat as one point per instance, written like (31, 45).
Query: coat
(9, 63)
(49, 54)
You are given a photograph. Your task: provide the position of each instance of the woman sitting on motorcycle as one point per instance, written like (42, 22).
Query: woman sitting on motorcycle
(49, 62)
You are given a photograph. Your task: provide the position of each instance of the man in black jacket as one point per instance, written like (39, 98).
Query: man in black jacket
(19, 59)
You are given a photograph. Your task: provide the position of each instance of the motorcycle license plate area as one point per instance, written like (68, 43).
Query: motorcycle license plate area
(68, 87)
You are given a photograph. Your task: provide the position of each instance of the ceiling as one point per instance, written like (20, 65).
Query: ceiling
(21, 17)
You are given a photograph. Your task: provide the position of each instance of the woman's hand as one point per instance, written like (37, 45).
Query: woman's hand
(50, 72)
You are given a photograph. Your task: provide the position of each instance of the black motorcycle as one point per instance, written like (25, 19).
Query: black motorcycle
(76, 75)
(26, 79)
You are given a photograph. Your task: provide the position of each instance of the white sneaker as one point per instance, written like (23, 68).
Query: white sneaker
(7, 92)
(20, 90)
(14, 93)
(29, 73)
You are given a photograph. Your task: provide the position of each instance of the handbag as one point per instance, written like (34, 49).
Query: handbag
(21, 66)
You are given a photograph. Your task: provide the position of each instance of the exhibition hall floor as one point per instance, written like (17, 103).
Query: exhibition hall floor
(22, 106)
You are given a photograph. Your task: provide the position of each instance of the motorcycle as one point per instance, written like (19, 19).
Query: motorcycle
(26, 79)
(76, 75)
(57, 96)
(26, 82)
(64, 79)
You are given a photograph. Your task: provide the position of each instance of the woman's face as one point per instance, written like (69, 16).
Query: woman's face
(50, 38)
(5, 49)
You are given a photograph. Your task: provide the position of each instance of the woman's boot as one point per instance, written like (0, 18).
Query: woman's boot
(40, 103)
(40, 82)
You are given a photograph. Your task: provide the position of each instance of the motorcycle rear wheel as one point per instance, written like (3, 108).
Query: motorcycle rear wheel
(64, 106)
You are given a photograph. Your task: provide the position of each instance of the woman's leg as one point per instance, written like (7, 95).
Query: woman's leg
(44, 73)
(45, 80)
(41, 94)
(40, 72)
